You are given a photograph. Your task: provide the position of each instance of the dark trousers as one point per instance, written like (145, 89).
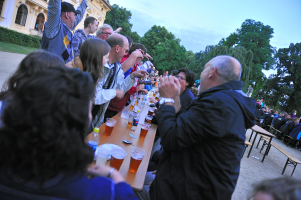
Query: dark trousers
(109, 114)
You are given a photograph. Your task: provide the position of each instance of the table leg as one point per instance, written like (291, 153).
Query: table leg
(252, 144)
(266, 150)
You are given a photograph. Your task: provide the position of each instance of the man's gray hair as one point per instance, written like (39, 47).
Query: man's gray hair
(104, 26)
(225, 68)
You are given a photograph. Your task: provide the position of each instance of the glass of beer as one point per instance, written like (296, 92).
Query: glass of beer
(110, 124)
(150, 111)
(136, 158)
(130, 120)
(144, 130)
(148, 119)
(117, 157)
(102, 156)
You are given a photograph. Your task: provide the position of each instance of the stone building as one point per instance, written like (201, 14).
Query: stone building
(29, 16)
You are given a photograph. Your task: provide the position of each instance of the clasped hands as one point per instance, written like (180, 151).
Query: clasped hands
(169, 87)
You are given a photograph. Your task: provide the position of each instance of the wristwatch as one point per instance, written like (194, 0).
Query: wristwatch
(166, 100)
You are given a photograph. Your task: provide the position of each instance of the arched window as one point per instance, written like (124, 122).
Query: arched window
(21, 15)
(39, 22)
(1, 6)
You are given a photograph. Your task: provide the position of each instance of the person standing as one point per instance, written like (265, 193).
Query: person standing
(203, 147)
(80, 35)
(62, 19)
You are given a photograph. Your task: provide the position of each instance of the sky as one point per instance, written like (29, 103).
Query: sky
(198, 23)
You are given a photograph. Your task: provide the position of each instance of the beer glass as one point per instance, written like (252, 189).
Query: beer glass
(148, 119)
(110, 124)
(144, 130)
(117, 157)
(102, 156)
(136, 158)
(130, 120)
(150, 111)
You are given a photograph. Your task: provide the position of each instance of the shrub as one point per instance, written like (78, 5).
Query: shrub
(14, 37)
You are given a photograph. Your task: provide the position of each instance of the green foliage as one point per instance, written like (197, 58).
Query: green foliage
(254, 36)
(120, 17)
(14, 37)
(240, 53)
(166, 50)
(283, 90)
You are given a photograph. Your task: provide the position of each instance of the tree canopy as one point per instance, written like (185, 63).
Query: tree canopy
(166, 50)
(120, 17)
(254, 36)
(283, 90)
(240, 53)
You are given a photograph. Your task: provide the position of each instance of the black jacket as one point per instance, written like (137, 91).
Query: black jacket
(202, 147)
(279, 122)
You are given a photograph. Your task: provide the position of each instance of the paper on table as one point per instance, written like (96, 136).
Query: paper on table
(125, 113)
(108, 147)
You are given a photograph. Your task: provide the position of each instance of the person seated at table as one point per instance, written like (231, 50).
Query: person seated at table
(282, 119)
(43, 150)
(287, 128)
(277, 189)
(267, 119)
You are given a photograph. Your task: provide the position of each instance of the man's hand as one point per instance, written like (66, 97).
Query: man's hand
(118, 30)
(140, 87)
(119, 94)
(169, 87)
(137, 53)
(147, 56)
(98, 170)
(152, 99)
(144, 91)
(153, 82)
(139, 74)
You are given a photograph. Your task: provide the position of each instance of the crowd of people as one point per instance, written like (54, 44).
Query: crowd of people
(286, 125)
(59, 94)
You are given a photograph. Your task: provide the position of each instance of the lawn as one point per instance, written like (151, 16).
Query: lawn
(13, 48)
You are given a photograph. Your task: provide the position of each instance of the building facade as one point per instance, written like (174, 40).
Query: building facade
(29, 16)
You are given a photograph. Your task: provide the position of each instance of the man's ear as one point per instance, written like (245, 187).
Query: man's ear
(212, 72)
(116, 48)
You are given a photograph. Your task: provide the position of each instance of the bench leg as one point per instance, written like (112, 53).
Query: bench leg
(263, 144)
(251, 136)
(252, 145)
(266, 151)
(285, 166)
(295, 165)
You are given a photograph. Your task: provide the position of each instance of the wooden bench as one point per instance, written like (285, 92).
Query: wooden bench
(291, 160)
(289, 139)
(274, 131)
(247, 143)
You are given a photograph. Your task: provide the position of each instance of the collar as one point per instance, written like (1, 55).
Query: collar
(66, 26)
(232, 85)
(110, 66)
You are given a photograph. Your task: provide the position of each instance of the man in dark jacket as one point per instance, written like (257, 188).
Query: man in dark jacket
(203, 146)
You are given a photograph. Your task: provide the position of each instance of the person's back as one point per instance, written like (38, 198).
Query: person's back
(279, 122)
(42, 135)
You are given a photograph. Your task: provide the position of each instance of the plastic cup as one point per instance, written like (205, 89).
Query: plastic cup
(110, 124)
(136, 158)
(102, 156)
(117, 157)
(144, 130)
(130, 120)
(150, 111)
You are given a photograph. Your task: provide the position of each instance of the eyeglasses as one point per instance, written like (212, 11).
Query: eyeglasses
(125, 50)
(180, 77)
(105, 33)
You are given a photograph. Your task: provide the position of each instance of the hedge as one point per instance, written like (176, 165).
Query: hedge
(14, 37)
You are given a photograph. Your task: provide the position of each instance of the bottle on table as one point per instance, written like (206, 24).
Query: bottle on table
(136, 118)
(94, 139)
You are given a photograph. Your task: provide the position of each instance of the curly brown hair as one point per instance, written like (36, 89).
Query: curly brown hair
(44, 124)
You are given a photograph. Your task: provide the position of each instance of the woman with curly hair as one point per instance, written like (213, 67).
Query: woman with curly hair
(43, 154)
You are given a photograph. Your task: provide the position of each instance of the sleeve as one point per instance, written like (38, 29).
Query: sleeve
(82, 8)
(133, 90)
(124, 191)
(103, 95)
(53, 18)
(186, 130)
(76, 43)
(124, 84)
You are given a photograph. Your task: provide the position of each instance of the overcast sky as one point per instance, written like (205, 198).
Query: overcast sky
(198, 23)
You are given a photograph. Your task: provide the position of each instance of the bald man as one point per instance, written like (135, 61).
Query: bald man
(113, 84)
(202, 147)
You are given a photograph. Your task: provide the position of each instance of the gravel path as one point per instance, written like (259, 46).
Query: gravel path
(252, 169)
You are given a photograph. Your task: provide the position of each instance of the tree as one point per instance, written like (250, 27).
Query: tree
(120, 17)
(240, 53)
(166, 50)
(254, 36)
(283, 90)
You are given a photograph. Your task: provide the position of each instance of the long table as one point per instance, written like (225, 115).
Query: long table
(121, 132)
(258, 129)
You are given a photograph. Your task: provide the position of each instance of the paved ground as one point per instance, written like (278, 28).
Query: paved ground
(252, 169)
(8, 64)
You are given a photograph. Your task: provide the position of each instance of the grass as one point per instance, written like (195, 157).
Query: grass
(13, 48)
